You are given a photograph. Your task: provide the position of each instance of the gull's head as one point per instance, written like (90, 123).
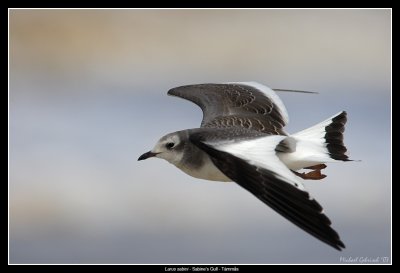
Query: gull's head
(170, 147)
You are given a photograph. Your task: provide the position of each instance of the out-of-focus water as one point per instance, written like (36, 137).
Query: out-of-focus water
(88, 96)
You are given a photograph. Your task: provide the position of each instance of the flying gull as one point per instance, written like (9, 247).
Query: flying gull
(241, 139)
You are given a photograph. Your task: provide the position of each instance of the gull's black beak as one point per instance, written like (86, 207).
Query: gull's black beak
(147, 155)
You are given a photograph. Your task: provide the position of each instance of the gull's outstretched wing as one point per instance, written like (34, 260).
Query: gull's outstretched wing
(253, 164)
(248, 105)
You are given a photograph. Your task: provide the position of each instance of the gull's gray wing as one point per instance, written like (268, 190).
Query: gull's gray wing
(247, 105)
(271, 182)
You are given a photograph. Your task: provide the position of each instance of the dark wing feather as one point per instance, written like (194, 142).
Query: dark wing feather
(334, 137)
(235, 105)
(290, 202)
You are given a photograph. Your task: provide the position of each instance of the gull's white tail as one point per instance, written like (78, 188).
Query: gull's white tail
(318, 144)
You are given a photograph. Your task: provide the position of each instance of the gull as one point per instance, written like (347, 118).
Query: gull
(241, 139)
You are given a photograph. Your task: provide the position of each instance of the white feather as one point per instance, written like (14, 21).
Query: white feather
(310, 147)
(261, 153)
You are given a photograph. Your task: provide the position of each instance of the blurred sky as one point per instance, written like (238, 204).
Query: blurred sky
(88, 96)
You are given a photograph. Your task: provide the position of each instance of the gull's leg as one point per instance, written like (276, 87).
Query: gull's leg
(313, 175)
(316, 167)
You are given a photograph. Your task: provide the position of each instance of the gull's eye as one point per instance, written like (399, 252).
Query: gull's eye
(170, 145)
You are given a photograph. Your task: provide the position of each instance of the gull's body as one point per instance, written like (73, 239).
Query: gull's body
(241, 139)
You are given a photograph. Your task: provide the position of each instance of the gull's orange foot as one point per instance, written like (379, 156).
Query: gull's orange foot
(313, 175)
(316, 167)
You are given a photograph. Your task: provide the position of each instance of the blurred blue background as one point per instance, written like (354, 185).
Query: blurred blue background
(88, 96)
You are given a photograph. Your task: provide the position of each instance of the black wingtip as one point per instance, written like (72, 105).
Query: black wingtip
(334, 137)
(336, 244)
(293, 204)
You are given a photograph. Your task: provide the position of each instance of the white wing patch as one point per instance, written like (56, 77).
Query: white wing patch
(269, 93)
(261, 153)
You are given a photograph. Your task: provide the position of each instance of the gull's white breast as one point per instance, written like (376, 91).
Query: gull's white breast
(207, 171)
